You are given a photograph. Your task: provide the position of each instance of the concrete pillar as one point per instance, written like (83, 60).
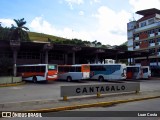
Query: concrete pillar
(66, 58)
(96, 60)
(130, 61)
(15, 62)
(73, 58)
(157, 61)
(46, 57)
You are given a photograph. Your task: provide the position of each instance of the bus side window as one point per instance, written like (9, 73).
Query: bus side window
(27, 69)
(145, 70)
(66, 69)
(78, 69)
(37, 69)
(60, 69)
(42, 68)
(72, 69)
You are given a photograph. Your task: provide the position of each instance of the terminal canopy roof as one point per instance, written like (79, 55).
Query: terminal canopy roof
(81, 50)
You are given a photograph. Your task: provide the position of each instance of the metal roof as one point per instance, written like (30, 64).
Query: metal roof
(148, 11)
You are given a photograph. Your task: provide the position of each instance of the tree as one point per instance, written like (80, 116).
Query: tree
(19, 31)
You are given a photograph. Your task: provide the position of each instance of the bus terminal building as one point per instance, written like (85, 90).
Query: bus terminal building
(50, 53)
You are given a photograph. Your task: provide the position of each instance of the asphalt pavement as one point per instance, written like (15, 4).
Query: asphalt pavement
(149, 90)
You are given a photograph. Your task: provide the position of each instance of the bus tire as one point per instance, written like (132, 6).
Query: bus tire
(34, 79)
(101, 78)
(69, 78)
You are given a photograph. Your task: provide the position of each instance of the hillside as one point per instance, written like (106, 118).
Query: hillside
(43, 37)
(7, 34)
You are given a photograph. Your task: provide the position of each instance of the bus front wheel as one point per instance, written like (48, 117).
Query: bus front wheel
(69, 79)
(34, 79)
(101, 78)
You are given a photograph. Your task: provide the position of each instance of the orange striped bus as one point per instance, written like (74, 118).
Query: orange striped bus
(73, 72)
(37, 72)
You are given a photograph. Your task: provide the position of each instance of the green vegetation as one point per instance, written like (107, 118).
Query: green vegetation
(15, 32)
(19, 31)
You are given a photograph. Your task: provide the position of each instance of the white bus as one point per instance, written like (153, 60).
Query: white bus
(138, 72)
(146, 72)
(37, 72)
(111, 72)
(73, 72)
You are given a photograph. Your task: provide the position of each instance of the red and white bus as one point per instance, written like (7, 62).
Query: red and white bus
(138, 72)
(37, 72)
(73, 72)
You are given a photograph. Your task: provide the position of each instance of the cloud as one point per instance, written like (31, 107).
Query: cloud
(72, 2)
(111, 28)
(40, 25)
(81, 13)
(144, 4)
(112, 25)
(94, 1)
(7, 22)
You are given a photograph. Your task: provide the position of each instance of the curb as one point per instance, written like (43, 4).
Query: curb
(99, 104)
(12, 84)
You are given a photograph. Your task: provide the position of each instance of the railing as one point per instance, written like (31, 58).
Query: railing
(147, 27)
(152, 35)
(137, 47)
(152, 44)
(136, 38)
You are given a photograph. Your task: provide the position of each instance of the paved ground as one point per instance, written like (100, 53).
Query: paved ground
(38, 96)
(42, 91)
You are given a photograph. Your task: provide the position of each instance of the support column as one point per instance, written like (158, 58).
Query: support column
(15, 45)
(46, 57)
(66, 58)
(148, 62)
(15, 62)
(116, 60)
(73, 58)
(157, 61)
(130, 61)
(96, 60)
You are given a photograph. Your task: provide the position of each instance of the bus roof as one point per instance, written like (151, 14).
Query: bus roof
(90, 64)
(133, 66)
(106, 64)
(36, 64)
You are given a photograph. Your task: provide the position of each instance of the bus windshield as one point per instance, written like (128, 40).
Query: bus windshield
(52, 67)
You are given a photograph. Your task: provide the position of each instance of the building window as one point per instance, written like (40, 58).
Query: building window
(152, 51)
(143, 24)
(151, 41)
(151, 21)
(55, 56)
(137, 44)
(28, 55)
(158, 50)
(158, 39)
(136, 35)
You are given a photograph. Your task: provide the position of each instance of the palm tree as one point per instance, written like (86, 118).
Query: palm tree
(18, 34)
(19, 31)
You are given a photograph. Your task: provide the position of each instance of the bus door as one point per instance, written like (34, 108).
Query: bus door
(133, 72)
(146, 73)
(85, 69)
(52, 72)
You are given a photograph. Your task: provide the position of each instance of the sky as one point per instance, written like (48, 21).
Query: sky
(101, 20)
